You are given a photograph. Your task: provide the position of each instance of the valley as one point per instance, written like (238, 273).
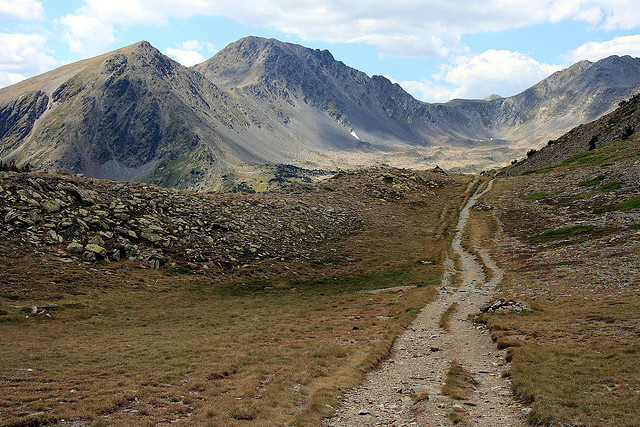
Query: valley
(262, 239)
(237, 321)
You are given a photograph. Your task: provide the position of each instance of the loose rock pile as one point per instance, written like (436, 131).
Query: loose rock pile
(105, 220)
(503, 305)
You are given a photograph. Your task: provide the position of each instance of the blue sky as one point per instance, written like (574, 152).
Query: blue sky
(437, 50)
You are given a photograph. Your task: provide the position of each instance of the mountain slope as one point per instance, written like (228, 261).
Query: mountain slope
(135, 114)
(620, 124)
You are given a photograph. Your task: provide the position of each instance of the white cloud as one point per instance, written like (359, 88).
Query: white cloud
(594, 51)
(499, 72)
(185, 57)
(404, 28)
(22, 54)
(189, 52)
(7, 79)
(87, 34)
(428, 91)
(21, 9)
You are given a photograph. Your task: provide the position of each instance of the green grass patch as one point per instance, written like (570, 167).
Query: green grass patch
(591, 182)
(177, 270)
(535, 196)
(629, 205)
(410, 274)
(634, 227)
(610, 186)
(564, 232)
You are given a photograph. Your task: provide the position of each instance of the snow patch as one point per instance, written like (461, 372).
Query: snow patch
(354, 134)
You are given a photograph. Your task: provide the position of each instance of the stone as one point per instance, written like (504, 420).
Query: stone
(75, 248)
(439, 170)
(96, 249)
(52, 238)
(481, 207)
(51, 206)
(97, 240)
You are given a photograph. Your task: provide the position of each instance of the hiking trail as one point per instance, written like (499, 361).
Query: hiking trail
(422, 354)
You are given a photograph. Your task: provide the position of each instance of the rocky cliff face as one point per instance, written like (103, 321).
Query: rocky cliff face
(134, 114)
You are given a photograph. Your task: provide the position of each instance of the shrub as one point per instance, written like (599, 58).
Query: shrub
(11, 167)
(531, 152)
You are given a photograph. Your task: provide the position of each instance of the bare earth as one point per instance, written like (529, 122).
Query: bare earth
(421, 357)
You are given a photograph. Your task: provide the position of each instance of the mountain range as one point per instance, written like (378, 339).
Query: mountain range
(135, 114)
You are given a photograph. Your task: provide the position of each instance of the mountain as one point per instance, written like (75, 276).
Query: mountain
(620, 124)
(135, 114)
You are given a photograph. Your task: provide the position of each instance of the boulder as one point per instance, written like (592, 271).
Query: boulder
(75, 248)
(96, 249)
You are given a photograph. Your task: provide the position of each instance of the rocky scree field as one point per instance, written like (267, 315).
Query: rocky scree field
(131, 304)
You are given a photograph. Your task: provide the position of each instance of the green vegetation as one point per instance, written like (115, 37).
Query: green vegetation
(11, 167)
(242, 187)
(535, 196)
(629, 205)
(591, 182)
(562, 233)
(610, 186)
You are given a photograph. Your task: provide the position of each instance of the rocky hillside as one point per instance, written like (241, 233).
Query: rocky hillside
(620, 124)
(135, 114)
(96, 220)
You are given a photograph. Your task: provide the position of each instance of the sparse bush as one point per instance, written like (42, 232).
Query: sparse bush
(592, 142)
(11, 167)
(514, 161)
(531, 152)
(628, 131)
(243, 187)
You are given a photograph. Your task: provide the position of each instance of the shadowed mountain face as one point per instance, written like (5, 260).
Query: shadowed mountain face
(135, 114)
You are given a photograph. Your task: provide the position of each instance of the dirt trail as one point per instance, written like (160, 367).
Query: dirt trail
(421, 356)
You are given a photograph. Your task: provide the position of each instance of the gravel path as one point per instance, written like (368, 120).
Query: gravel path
(421, 356)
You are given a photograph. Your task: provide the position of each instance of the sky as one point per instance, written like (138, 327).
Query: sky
(436, 50)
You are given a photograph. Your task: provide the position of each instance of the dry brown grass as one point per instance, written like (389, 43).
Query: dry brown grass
(445, 317)
(575, 356)
(458, 382)
(272, 347)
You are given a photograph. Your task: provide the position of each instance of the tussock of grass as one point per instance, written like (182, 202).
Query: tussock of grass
(458, 383)
(445, 317)
(458, 417)
(577, 383)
